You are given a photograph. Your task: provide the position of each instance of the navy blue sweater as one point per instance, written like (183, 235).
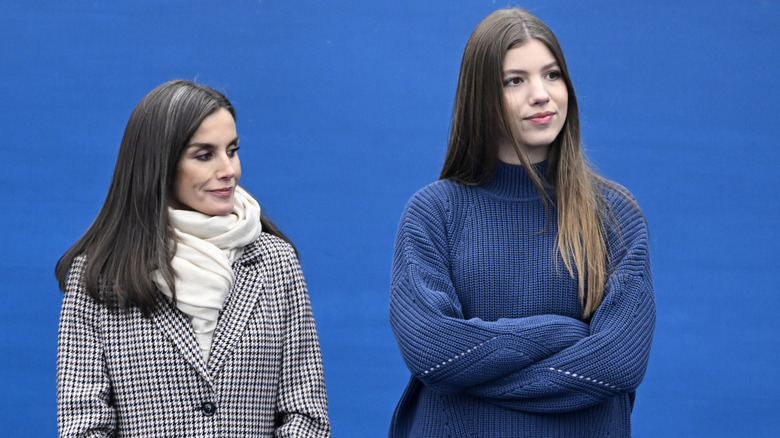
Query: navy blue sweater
(488, 319)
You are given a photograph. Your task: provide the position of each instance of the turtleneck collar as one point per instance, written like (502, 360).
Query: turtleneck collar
(511, 181)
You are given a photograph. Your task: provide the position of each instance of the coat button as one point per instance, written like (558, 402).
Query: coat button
(208, 408)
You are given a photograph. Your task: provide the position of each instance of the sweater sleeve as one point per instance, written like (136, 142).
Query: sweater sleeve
(302, 402)
(83, 385)
(440, 347)
(612, 360)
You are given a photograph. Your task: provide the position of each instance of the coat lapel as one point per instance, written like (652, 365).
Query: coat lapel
(238, 308)
(177, 328)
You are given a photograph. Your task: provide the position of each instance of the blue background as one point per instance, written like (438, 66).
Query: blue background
(343, 111)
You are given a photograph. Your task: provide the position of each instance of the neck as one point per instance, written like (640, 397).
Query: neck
(535, 154)
(512, 181)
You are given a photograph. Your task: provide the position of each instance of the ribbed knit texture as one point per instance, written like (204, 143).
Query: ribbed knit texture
(489, 323)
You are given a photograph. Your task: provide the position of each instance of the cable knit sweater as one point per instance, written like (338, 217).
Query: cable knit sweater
(489, 323)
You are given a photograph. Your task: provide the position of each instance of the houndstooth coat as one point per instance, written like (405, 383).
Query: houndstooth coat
(121, 374)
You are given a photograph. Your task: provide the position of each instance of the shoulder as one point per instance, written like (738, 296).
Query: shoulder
(77, 268)
(436, 191)
(272, 262)
(622, 204)
(75, 283)
(77, 301)
(437, 198)
(269, 249)
(625, 223)
(272, 243)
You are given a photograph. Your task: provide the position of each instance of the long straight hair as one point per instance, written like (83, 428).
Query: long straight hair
(131, 236)
(480, 122)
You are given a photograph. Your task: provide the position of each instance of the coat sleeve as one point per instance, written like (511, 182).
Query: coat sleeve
(611, 360)
(83, 385)
(302, 404)
(441, 348)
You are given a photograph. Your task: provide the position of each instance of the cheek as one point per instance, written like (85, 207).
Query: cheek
(564, 108)
(182, 179)
(563, 99)
(512, 110)
(176, 186)
(177, 195)
(512, 102)
(187, 181)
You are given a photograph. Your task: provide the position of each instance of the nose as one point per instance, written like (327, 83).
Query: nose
(226, 167)
(538, 94)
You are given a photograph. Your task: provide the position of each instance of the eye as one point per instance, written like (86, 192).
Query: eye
(514, 81)
(232, 151)
(203, 157)
(554, 75)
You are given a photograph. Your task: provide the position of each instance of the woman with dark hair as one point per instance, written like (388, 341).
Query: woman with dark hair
(185, 311)
(522, 297)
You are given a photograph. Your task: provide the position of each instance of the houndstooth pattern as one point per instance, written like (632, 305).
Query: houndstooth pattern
(120, 374)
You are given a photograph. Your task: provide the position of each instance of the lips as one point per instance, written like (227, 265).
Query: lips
(223, 192)
(542, 118)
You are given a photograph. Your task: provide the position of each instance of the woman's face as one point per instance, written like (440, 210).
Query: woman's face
(536, 100)
(208, 169)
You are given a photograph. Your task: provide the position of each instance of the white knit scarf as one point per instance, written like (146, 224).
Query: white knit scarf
(206, 247)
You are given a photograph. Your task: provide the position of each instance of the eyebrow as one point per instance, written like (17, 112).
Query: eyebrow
(544, 67)
(209, 145)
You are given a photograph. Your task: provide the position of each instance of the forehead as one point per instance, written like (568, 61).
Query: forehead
(220, 123)
(531, 53)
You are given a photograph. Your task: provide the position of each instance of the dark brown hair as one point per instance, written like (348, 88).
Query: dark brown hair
(131, 236)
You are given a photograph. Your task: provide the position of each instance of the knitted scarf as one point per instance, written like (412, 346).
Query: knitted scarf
(206, 247)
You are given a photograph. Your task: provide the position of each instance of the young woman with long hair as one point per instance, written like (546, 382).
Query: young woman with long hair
(522, 296)
(185, 309)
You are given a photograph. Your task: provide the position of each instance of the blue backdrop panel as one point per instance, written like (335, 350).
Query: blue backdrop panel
(343, 111)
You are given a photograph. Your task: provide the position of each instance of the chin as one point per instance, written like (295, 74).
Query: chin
(223, 212)
(220, 210)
